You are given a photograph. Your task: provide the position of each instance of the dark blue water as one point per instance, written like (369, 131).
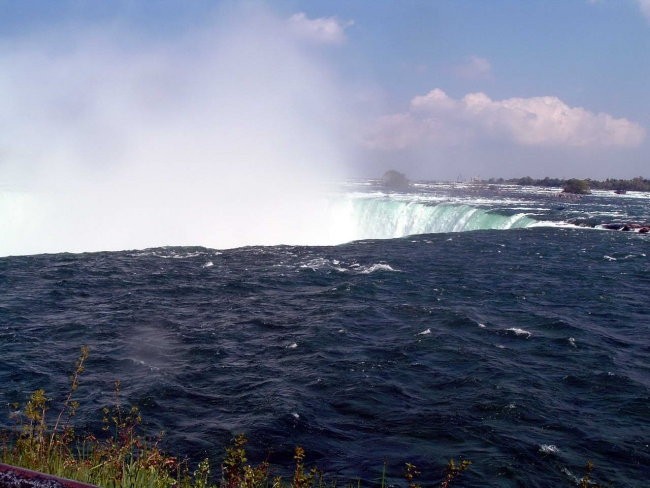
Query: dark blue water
(526, 351)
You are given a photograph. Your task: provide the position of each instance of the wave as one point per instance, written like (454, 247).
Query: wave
(327, 265)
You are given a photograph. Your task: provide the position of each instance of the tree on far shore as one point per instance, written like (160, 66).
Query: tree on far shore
(574, 185)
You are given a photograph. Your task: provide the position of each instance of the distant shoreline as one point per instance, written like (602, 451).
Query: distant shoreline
(635, 184)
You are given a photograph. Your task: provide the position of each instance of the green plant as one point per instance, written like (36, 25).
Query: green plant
(124, 459)
(454, 470)
(410, 474)
(585, 481)
(236, 473)
(302, 479)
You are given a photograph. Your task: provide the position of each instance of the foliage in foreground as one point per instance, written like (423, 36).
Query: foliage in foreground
(124, 458)
(121, 458)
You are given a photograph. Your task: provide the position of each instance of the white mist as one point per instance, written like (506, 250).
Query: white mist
(219, 137)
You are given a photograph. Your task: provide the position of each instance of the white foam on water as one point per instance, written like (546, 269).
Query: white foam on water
(140, 362)
(560, 224)
(425, 332)
(323, 263)
(209, 264)
(548, 449)
(315, 264)
(630, 194)
(569, 474)
(170, 254)
(520, 332)
(376, 267)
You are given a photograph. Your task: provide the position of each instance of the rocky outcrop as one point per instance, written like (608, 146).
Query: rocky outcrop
(576, 186)
(395, 181)
(628, 227)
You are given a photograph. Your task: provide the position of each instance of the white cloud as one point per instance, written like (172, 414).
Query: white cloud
(475, 67)
(323, 30)
(644, 5)
(436, 118)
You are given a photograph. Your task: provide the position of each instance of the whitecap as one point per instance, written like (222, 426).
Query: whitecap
(292, 345)
(315, 264)
(295, 415)
(140, 362)
(520, 332)
(169, 254)
(425, 332)
(322, 263)
(376, 267)
(609, 258)
(566, 471)
(482, 326)
(208, 264)
(548, 449)
(186, 255)
(572, 341)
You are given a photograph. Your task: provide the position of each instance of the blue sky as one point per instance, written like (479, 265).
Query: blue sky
(436, 89)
